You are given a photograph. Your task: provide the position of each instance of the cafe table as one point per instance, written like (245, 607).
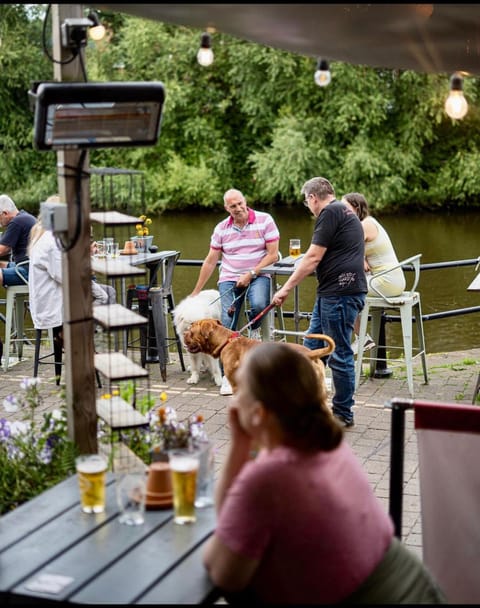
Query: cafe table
(284, 267)
(51, 552)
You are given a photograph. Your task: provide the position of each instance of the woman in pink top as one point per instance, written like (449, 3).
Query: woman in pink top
(300, 523)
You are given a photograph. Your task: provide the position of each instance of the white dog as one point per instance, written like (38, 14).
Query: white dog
(205, 305)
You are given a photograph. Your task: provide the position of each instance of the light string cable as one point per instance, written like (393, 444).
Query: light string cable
(44, 42)
(79, 175)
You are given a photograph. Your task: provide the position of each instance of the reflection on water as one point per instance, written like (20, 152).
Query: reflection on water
(439, 237)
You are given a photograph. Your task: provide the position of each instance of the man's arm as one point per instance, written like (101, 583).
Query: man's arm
(271, 257)
(206, 271)
(4, 250)
(306, 266)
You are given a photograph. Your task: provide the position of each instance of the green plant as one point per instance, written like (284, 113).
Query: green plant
(34, 454)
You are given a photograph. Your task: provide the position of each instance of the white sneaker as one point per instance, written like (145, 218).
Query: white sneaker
(255, 334)
(367, 345)
(226, 388)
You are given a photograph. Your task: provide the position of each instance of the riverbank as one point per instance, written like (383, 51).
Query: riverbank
(452, 378)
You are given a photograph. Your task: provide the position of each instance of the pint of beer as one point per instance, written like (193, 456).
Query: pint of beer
(184, 468)
(294, 248)
(91, 469)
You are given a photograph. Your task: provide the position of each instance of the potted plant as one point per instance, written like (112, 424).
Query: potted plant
(143, 239)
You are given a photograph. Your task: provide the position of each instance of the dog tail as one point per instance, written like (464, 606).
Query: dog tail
(321, 352)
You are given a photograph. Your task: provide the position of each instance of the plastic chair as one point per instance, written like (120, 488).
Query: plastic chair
(408, 304)
(448, 438)
(15, 306)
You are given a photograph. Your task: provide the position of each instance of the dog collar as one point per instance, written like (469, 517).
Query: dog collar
(234, 336)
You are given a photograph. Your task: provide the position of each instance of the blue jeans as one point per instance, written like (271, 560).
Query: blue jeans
(11, 274)
(257, 293)
(335, 316)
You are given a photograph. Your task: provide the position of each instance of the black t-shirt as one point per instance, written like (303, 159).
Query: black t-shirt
(16, 236)
(341, 271)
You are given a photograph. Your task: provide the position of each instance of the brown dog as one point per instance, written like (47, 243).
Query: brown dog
(209, 336)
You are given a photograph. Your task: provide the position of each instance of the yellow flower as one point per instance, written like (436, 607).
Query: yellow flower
(142, 229)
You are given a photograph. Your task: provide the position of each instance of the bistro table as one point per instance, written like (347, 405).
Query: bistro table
(284, 267)
(50, 551)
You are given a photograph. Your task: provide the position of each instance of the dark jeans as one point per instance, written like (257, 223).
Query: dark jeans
(335, 316)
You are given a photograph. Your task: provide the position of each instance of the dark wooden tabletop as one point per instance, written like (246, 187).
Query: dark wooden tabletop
(95, 559)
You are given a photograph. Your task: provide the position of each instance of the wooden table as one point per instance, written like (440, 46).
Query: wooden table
(98, 559)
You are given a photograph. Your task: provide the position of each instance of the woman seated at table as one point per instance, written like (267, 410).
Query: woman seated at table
(300, 523)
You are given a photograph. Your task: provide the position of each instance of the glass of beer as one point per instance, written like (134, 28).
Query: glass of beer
(184, 469)
(91, 470)
(294, 248)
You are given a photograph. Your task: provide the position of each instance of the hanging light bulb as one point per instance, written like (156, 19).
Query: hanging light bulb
(322, 75)
(456, 105)
(205, 53)
(97, 30)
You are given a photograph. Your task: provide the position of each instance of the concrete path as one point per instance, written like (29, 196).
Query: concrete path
(452, 378)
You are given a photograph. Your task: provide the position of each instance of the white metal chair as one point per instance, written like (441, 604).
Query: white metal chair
(408, 304)
(15, 305)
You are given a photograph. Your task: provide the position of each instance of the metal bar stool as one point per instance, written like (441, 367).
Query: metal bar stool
(408, 304)
(54, 334)
(16, 303)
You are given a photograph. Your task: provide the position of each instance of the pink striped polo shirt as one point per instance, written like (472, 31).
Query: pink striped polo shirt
(242, 249)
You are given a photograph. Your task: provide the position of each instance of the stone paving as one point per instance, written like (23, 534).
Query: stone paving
(452, 378)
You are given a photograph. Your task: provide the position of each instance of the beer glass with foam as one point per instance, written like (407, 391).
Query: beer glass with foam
(184, 468)
(91, 469)
(294, 248)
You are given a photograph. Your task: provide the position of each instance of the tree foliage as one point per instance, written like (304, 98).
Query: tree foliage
(254, 120)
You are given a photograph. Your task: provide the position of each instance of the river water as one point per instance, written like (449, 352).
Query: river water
(439, 237)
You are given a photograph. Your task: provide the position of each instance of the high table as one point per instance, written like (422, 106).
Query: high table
(284, 267)
(94, 559)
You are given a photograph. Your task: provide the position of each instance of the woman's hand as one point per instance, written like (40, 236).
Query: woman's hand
(238, 434)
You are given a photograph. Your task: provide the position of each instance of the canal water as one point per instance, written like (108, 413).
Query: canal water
(439, 237)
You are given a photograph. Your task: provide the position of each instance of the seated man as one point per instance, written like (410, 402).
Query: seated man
(14, 242)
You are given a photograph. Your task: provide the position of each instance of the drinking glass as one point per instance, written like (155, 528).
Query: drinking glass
(184, 468)
(91, 469)
(205, 476)
(131, 491)
(294, 248)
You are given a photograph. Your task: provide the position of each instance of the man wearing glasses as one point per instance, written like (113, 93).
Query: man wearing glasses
(336, 254)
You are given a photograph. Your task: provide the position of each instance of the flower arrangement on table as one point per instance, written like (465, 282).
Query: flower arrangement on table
(142, 229)
(35, 454)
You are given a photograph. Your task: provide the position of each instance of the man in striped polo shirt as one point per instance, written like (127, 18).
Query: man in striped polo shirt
(246, 241)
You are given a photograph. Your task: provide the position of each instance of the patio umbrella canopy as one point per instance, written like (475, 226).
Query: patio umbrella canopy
(429, 38)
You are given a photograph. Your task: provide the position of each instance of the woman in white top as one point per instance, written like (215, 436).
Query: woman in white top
(45, 279)
(379, 256)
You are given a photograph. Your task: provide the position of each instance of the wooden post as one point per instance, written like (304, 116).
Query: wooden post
(76, 267)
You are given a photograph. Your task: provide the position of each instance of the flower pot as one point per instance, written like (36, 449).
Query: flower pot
(142, 243)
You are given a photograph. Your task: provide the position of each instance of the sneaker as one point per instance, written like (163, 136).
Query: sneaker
(255, 334)
(343, 421)
(367, 345)
(226, 388)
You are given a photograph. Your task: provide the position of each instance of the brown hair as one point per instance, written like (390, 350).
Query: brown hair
(359, 203)
(286, 383)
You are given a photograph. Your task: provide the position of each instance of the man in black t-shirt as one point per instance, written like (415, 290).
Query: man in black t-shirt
(336, 253)
(14, 242)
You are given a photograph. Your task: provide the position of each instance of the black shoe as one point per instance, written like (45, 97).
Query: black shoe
(343, 421)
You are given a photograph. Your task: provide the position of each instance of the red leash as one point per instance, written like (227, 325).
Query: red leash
(259, 316)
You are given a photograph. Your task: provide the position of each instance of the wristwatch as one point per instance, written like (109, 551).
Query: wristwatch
(253, 274)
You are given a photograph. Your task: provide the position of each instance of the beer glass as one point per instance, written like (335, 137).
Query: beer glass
(184, 468)
(294, 248)
(91, 469)
(205, 476)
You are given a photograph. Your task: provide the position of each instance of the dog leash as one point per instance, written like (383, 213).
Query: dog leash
(216, 299)
(259, 316)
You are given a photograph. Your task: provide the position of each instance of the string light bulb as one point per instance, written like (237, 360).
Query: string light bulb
(456, 105)
(205, 53)
(322, 74)
(97, 30)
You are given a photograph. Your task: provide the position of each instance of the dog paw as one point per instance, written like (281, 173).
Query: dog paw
(193, 379)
